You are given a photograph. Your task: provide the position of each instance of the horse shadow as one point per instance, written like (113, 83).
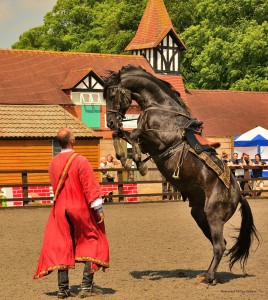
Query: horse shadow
(183, 273)
(75, 290)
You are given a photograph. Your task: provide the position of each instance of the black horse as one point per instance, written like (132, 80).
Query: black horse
(212, 191)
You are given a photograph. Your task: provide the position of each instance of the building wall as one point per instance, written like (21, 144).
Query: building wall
(36, 155)
(227, 145)
(106, 147)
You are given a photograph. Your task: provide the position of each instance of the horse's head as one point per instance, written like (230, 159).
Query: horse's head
(135, 83)
(118, 100)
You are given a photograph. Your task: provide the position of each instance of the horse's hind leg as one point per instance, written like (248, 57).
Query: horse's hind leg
(213, 230)
(200, 217)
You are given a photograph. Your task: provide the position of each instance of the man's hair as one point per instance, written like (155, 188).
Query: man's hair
(64, 139)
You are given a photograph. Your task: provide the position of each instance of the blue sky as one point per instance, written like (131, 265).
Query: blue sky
(17, 16)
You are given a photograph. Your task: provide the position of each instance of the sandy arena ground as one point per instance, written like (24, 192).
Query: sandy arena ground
(156, 252)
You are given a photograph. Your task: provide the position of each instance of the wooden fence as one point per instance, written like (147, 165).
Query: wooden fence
(167, 191)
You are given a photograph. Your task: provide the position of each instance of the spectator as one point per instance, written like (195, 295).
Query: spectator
(224, 157)
(257, 173)
(103, 166)
(109, 175)
(238, 172)
(102, 162)
(245, 161)
(234, 162)
(110, 164)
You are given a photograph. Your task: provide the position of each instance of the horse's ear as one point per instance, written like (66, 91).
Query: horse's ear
(104, 79)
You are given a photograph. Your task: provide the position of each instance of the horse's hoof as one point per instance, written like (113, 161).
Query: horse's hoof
(143, 169)
(216, 280)
(123, 161)
(202, 279)
(128, 164)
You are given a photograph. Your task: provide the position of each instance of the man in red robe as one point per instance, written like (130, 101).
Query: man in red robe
(75, 229)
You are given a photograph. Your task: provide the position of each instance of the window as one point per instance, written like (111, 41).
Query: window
(56, 148)
(87, 98)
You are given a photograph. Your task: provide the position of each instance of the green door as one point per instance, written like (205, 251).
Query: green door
(91, 115)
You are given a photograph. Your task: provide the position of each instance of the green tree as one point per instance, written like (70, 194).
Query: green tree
(226, 40)
(227, 48)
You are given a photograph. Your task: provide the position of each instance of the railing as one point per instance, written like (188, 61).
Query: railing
(167, 191)
(249, 181)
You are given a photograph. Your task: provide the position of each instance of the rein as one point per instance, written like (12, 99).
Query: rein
(167, 110)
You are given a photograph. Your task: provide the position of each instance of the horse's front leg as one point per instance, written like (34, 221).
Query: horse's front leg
(118, 136)
(119, 151)
(136, 152)
(146, 138)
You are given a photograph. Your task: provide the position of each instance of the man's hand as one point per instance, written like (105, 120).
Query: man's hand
(100, 217)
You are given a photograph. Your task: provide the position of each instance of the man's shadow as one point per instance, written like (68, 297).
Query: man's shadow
(183, 273)
(75, 290)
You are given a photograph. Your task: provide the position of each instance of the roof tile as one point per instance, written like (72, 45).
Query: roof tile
(39, 121)
(154, 26)
(35, 77)
(74, 77)
(228, 113)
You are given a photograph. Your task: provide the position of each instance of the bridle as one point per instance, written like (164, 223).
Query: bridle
(121, 96)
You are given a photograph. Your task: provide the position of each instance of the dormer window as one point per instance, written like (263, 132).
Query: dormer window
(85, 86)
(87, 98)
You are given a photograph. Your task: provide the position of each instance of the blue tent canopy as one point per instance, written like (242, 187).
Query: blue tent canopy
(255, 137)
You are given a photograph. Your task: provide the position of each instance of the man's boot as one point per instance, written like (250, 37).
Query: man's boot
(63, 283)
(87, 282)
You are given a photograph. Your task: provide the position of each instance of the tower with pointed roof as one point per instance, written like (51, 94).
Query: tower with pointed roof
(157, 40)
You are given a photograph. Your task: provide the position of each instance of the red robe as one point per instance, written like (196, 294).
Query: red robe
(90, 243)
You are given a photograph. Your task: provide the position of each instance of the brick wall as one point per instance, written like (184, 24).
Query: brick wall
(44, 191)
(129, 188)
(41, 191)
(226, 145)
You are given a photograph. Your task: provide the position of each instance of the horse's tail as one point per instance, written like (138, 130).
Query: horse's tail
(247, 232)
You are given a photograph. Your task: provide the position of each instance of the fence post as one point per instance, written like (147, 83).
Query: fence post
(246, 177)
(25, 184)
(120, 185)
(164, 188)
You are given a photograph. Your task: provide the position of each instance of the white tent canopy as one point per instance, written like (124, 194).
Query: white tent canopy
(252, 142)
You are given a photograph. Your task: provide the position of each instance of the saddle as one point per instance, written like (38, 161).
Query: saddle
(193, 135)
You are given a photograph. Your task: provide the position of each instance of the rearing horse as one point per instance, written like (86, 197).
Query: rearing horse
(160, 132)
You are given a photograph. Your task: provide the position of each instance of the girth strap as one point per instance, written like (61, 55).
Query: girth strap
(224, 175)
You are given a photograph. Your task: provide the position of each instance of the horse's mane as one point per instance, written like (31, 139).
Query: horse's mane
(114, 78)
